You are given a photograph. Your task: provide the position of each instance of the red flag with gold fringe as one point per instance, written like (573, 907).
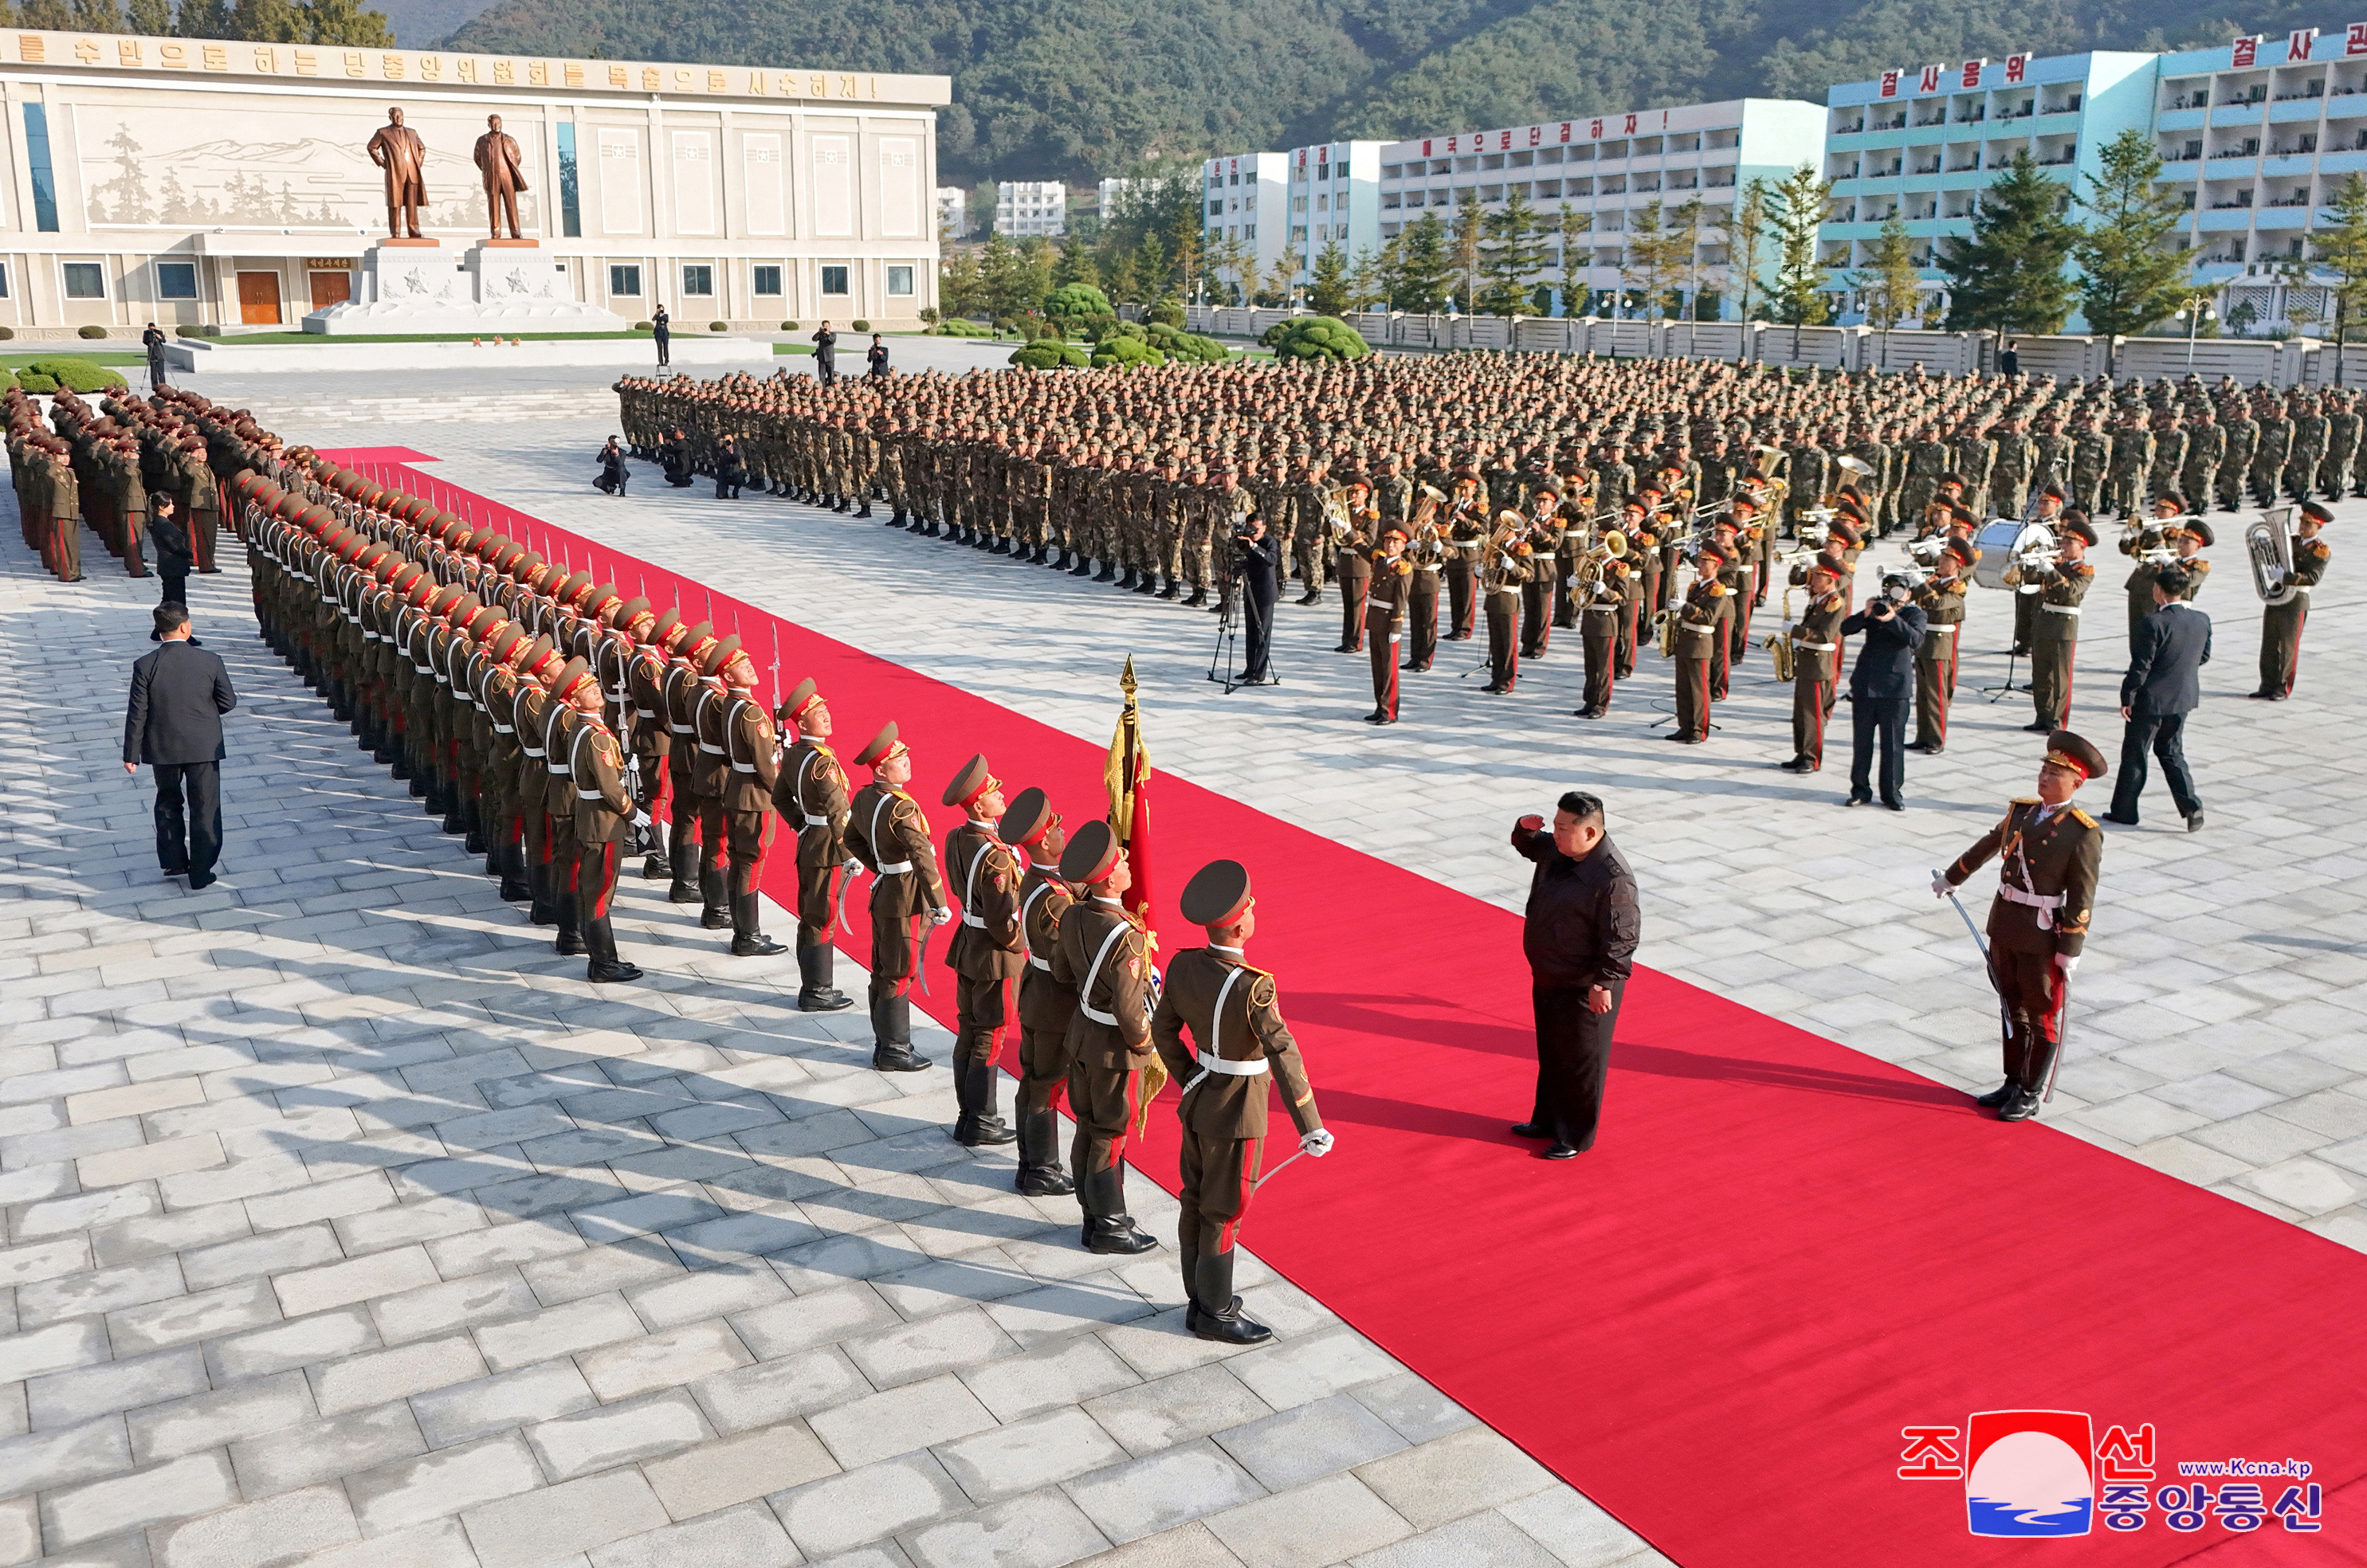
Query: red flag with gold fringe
(1127, 775)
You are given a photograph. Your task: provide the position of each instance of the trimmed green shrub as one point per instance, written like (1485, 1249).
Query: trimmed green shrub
(718, 326)
(1176, 343)
(75, 375)
(928, 312)
(1074, 301)
(7, 383)
(33, 381)
(1168, 312)
(93, 330)
(6, 332)
(1048, 354)
(789, 326)
(1126, 353)
(1314, 337)
(860, 326)
(644, 327)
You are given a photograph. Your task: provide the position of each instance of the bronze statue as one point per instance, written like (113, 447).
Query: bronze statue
(497, 156)
(398, 150)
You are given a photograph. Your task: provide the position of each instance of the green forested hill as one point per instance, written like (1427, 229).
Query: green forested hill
(1090, 87)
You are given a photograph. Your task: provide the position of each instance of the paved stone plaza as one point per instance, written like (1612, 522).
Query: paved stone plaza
(348, 1227)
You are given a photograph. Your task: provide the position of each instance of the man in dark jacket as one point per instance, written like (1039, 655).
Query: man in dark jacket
(661, 332)
(2162, 686)
(178, 696)
(613, 472)
(825, 343)
(1882, 690)
(173, 559)
(1580, 934)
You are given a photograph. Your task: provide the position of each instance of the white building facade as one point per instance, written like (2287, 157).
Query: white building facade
(1031, 206)
(1332, 197)
(1246, 199)
(953, 211)
(1922, 142)
(213, 184)
(1603, 170)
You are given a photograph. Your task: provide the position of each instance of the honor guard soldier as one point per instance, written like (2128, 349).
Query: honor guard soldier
(558, 792)
(986, 953)
(604, 820)
(1239, 1043)
(680, 688)
(811, 793)
(2054, 629)
(887, 832)
(1046, 1005)
(710, 772)
(652, 742)
(2281, 624)
(751, 747)
(1815, 666)
(1391, 591)
(2048, 853)
(1940, 597)
(1103, 956)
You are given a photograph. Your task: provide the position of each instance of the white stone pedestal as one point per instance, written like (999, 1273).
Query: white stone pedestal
(491, 288)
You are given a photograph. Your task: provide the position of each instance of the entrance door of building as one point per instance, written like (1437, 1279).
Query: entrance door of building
(331, 289)
(258, 299)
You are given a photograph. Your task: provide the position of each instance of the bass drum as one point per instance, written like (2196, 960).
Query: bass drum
(2000, 540)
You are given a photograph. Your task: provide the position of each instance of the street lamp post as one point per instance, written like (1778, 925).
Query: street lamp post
(2193, 311)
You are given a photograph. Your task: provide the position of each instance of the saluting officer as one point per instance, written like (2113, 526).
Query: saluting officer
(2049, 852)
(1046, 1005)
(1238, 1039)
(1103, 955)
(887, 832)
(809, 791)
(986, 951)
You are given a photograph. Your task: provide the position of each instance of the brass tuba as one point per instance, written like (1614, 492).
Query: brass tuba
(2268, 545)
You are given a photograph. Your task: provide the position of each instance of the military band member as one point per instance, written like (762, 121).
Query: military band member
(2168, 531)
(1385, 617)
(1103, 956)
(1815, 666)
(1606, 613)
(2054, 633)
(1239, 1041)
(1543, 537)
(1353, 565)
(1504, 572)
(1941, 599)
(2049, 852)
(604, 820)
(1465, 537)
(809, 791)
(2280, 624)
(887, 833)
(1047, 1007)
(987, 952)
(751, 750)
(1701, 622)
(1426, 552)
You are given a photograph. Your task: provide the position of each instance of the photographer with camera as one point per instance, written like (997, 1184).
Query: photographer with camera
(1257, 572)
(1882, 688)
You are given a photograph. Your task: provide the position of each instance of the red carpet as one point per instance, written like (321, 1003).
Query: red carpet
(1781, 1253)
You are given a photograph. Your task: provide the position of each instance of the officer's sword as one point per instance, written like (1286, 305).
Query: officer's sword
(2062, 1016)
(1277, 1171)
(2005, 1020)
(922, 967)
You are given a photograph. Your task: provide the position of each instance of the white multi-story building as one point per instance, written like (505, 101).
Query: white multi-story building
(2258, 136)
(1109, 191)
(1030, 207)
(1921, 142)
(1246, 197)
(1333, 199)
(953, 211)
(1602, 171)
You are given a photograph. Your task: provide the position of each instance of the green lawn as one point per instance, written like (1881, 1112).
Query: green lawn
(102, 356)
(805, 349)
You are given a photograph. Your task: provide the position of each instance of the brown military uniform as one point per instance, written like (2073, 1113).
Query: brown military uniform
(1103, 956)
(2047, 891)
(751, 752)
(603, 821)
(1047, 1007)
(886, 831)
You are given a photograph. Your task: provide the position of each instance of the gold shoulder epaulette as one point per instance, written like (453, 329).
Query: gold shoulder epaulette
(2025, 800)
(2082, 819)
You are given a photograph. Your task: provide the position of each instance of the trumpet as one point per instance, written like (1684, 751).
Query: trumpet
(2024, 564)
(1926, 552)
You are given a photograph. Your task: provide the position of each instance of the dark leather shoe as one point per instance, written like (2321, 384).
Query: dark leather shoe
(1856, 800)
(715, 918)
(2124, 821)
(1796, 765)
(1998, 1094)
(1049, 1183)
(199, 883)
(984, 1132)
(756, 945)
(684, 892)
(898, 1059)
(2038, 729)
(1117, 1234)
(1531, 1130)
(2194, 823)
(1894, 806)
(1559, 1151)
(615, 972)
(2022, 1107)
(1230, 1326)
(829, 1001)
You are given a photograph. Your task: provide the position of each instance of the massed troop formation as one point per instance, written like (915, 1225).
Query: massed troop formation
(101, 469)
(1634, 501)
(537, 711)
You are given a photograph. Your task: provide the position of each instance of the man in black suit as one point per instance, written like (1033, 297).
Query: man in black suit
(2162, 686)
(825, 343)
(1259, 562)
(173, 559)
(178, 696)
(1882, 690)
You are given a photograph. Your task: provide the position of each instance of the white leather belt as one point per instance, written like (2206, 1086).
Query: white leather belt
(557, 769)
(2012, 895)
(1226, 1068)
(712, 750)
(1945, 628)
(583, 794)
(530, 750)
(1086, 990)
(1817, 647)
(894, 868)
(678, 728)
(369, 636)
(2062, 609)
(744, 767)
(503, 729)
(1036, 963)
(645, 713)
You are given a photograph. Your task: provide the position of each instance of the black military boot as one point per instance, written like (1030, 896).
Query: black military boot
(892, 1037)
(1170, 588)
(607, 969)
(472, 823)
(1189, 1258)
(1108, 1227)
(1040, 1175)
(1061, 561)
(418, 777)
(1124, 581)
(898, 520)
(1149, 584)
(685, 855)
(815, 992)
(843, 504)
(1999, 1095)
(514, 889)
(659, 863)
(987, 1129)
(863, 511)
(2022, 1107)
(717, 915)
(1001, 547)
(1221, 1317)
(544, 911)
(1199, 598)
(571, 936)
(747, 941)
(1085, 567)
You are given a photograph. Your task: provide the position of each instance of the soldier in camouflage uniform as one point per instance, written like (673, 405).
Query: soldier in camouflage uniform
(2343, 433)
(2132, 461)
(2206, 448)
